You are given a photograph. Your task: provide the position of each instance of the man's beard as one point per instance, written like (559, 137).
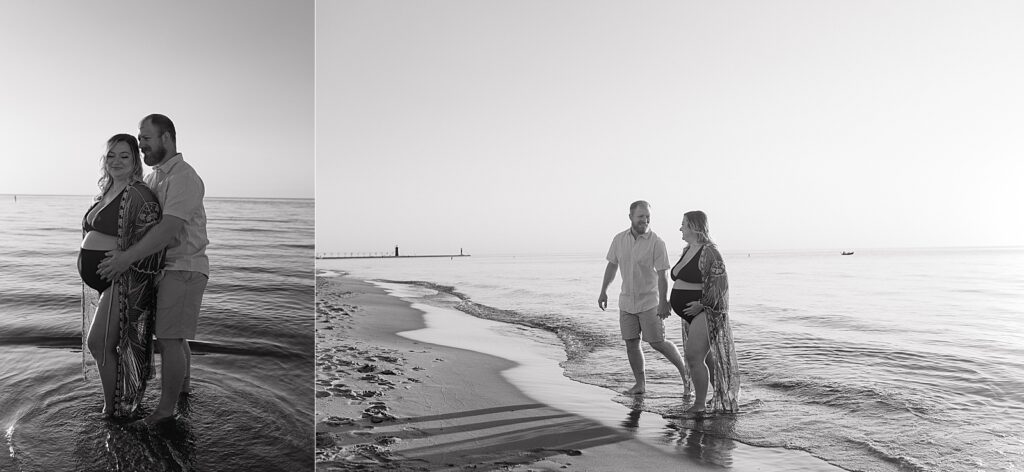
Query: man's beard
(154, 156)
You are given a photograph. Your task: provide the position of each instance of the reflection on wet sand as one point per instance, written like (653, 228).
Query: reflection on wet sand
(699, 445)
(632, 421)
(696, 437)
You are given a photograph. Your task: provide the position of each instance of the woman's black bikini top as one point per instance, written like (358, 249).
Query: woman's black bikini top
(691, 271)
(106, 220)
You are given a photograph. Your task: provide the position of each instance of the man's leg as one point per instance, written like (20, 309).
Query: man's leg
(629, 325)
(195, 287)
(186, 385)
(179, 298)
(671, 352)
(172, 374)
(654, 333)
(636, 363)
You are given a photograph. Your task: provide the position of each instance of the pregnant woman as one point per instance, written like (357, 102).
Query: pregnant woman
(119, 332)
(700, 296)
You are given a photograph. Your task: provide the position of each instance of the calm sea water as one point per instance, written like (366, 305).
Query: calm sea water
(252, 361)
(887, 360)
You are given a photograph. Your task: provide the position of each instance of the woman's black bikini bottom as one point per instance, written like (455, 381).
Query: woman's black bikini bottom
(680, 298)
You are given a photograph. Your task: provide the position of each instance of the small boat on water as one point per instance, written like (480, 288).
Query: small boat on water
(847, 253)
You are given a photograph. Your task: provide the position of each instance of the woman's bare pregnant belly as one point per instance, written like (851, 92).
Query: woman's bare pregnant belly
(684, 285)
(97, 241)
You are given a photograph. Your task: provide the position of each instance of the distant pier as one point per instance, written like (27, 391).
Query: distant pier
(381, 255)
(384, 256)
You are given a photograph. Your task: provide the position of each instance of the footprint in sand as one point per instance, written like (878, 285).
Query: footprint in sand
(378, 413)
(338, 421)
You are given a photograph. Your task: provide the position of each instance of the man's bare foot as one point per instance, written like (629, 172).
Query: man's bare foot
(696, 408)
(636, 390)
(155, 419)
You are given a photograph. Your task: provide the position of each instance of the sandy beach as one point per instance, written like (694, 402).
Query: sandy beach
(410, 401)
(386, 402)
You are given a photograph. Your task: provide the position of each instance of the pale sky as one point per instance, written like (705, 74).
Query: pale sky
(235, 76)
(529, 126)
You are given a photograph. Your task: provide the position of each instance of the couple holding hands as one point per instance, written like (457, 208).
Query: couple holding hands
(699, 295)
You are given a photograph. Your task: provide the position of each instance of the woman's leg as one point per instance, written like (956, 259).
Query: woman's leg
(711, 368)
(103, 338)
(697, 348)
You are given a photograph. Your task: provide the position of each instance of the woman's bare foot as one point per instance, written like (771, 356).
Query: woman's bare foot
(637, 389)
(696, 408)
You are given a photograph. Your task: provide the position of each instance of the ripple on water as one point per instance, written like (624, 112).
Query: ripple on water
(229, 421)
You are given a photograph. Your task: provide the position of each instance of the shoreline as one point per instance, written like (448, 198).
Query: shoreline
(496, 400)
(444, 408)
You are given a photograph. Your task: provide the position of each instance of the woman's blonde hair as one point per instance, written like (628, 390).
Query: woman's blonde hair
(698, 222)
(133, 144)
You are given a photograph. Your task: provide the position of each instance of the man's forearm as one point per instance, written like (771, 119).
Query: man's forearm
(156, 239)
(609, 275)
(662, 288)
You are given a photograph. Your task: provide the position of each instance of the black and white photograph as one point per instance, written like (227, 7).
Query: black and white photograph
(670, 235)
(156, 258)
(511, 235)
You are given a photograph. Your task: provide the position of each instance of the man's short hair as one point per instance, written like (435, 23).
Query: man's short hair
(638, 204)
(163, 124)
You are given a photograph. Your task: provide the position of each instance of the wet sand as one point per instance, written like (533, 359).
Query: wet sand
(388, 402)
(422, 386)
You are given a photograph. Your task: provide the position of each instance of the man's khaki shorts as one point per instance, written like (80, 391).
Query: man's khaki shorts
(646, 325)
(178, 298)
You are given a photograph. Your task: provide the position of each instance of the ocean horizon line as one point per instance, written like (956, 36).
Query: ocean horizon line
(727, 252)
(209, 197)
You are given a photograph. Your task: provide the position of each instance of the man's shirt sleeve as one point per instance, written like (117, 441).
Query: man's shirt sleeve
(184, 196)
(660, 256)
(613, 256)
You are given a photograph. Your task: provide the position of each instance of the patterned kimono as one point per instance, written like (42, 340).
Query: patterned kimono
(715, 299)
(139, 212)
